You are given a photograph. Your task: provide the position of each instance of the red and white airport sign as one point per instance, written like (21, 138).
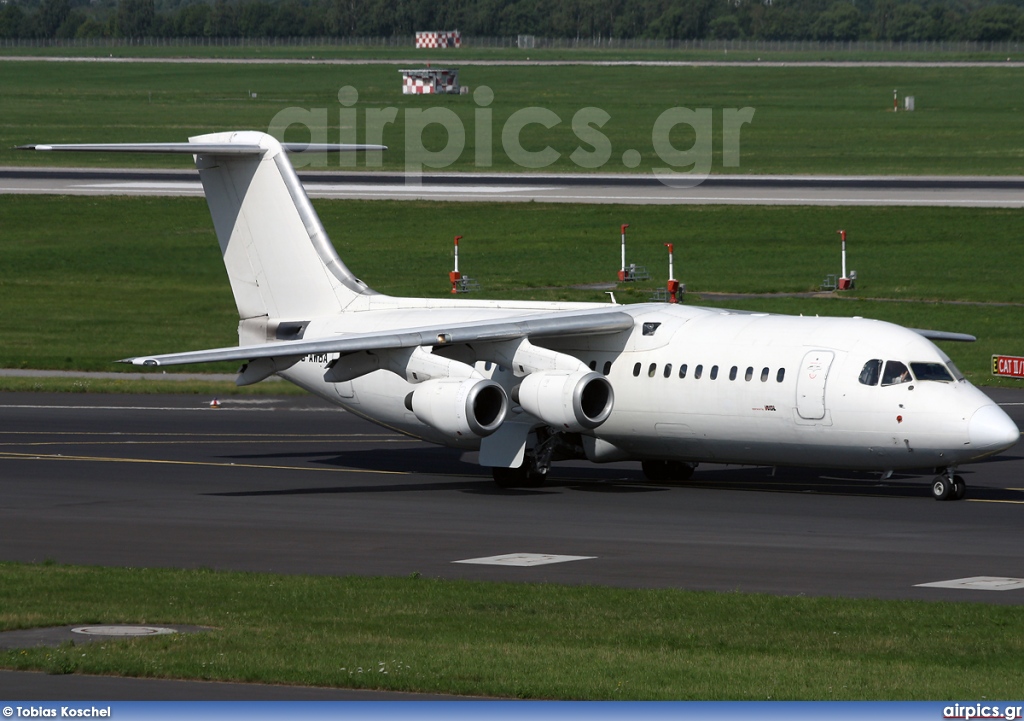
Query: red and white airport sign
(1008, 365)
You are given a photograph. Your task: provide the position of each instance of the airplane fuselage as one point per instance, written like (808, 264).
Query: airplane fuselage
(697, 384)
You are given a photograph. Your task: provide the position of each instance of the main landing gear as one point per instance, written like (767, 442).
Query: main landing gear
(948, 487)
(534, 469)
(528, 475)
(668, 470)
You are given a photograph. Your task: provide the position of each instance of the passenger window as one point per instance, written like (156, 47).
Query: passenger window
(764, 375)
(714, 372)
(652, 369)
(869, 373)
(682, 371)
(697, 371)
(895, 373)
(593, 365)
(931, 372)
(668, 370)
(607, 367)
(749, 374)
(780, 375)
(636, 370)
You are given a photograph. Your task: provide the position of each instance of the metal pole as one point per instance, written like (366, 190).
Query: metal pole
(623, 229)
(842, 234)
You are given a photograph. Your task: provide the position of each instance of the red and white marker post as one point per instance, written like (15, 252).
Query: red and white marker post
(844, 282)
(673, 284)
(455, 276)
(622, 272)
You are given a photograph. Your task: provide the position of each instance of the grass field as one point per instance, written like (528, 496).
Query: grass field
(84, 281)
(806, 120)
(516, 640)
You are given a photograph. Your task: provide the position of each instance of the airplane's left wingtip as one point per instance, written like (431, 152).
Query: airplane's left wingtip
(139, 361)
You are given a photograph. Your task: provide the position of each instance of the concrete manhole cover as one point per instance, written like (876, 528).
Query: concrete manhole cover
(122, 631)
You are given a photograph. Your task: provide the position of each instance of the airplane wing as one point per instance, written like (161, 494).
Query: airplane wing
(945, 335)
(548, 325)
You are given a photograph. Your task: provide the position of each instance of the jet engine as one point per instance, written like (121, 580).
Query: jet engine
(468, 407)
(567, 400)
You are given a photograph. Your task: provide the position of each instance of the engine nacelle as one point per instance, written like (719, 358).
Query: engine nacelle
(567, 400)
(468, 407)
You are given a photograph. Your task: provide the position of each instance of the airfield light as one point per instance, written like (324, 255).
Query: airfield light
(845, 282)
(673, 284)
(622, 272)
(455, 276)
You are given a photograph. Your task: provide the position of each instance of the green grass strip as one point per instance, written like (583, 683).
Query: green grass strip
(85, 281)
(833, 120)
(515, 640)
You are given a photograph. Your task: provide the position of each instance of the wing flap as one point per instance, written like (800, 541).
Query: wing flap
(566, 324)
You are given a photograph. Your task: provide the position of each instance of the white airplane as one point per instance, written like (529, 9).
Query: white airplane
(527, 383)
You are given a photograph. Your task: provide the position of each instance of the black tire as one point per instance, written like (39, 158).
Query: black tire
(668, 470)
(509, 477)
(535, 480)
(681, 470)
(520, 477)
(959, 488)
(656, 470)
(942, 488)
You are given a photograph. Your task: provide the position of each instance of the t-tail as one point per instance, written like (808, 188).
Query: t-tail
(281, 264)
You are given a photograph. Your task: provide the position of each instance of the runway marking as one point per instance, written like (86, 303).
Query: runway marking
(523, 559)
(993, 500)
(158, 461)
(978, 583)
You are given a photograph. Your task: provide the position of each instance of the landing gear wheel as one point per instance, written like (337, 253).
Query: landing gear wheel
(535, 479)
(509, 477)
(683, 471)
(959, 488)
(521, 477)
(668, 470)
(656, 470)
(942, 488)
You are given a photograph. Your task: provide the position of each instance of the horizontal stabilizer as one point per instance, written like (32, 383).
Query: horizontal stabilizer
(945, 335)
(551, 325)
(200, 148)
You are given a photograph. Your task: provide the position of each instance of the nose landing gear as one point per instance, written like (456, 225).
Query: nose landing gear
(948, 487)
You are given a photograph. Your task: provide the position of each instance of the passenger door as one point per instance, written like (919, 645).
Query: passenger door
(810, 384)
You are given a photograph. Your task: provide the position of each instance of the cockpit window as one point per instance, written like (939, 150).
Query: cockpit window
(954, 370)
(870, 372)
(895, 373)
(931, 372)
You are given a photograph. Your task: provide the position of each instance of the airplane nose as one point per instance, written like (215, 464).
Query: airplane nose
(991, 428)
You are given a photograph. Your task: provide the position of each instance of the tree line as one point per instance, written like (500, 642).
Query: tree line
(898, 20)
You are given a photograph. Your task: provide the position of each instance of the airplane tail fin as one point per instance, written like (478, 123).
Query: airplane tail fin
(281, 264)
(279, 259)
